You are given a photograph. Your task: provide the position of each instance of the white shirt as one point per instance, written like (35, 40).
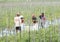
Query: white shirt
(17, 21)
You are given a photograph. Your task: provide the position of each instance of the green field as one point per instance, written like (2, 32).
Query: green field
(50, 34)
(7, 14)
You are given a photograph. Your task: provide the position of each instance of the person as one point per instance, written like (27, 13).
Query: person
(35, 22)
(34, 19)
(21, 19)
(17, 22)
(42, 18)
(22, 22)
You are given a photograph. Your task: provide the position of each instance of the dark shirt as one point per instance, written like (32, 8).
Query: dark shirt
(34, 18)
(41, 16)
(22, 20)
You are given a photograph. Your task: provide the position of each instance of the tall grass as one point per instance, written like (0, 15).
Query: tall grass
(8, 13)
(50, 34)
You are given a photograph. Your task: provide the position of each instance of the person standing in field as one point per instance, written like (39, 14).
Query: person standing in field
(34, 19)
(42, 18)
(21, 22)
(21, 19)
(17, 22)
(35, 22)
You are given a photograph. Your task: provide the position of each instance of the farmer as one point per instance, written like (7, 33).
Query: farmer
(35, 22)
(21, 22)
(34, 19)
(42, 18)
(21, 19)
(17, 22)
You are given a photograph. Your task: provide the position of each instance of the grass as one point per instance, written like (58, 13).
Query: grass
(8, 13)
(44, 34)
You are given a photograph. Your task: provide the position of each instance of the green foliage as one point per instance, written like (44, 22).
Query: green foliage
(44, 34)
(8, 13)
